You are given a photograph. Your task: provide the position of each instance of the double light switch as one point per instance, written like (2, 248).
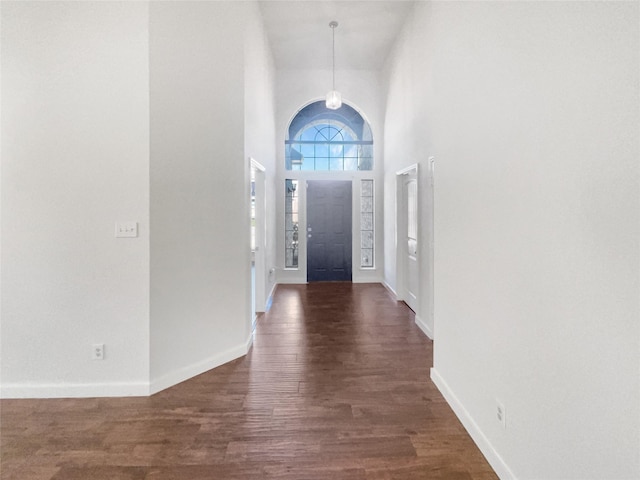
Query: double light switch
(126, 229)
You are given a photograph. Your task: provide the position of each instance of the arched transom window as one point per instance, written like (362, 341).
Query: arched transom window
(323, 139)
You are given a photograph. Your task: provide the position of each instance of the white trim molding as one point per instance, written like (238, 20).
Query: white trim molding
(257, 165)
(74, 390)
(133, 389)
(391, 290)
(113, 389)
(185, 373)
(495, 460)
(422, 325)
(407, 170)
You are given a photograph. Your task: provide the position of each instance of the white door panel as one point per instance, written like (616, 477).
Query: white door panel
(411, 244)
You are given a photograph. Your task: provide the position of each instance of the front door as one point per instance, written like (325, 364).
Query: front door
(328, 231)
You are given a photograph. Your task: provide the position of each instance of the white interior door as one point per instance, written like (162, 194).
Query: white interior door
(258, 238)
(411, 241)
(407, 253)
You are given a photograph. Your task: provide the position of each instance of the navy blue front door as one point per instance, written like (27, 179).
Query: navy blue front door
(328, 231)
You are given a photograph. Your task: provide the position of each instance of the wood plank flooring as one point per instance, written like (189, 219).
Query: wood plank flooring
(335, 387)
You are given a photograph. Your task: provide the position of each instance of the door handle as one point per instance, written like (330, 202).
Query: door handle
(309, 235)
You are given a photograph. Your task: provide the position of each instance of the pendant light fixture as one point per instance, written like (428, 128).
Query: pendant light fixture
(334, 99)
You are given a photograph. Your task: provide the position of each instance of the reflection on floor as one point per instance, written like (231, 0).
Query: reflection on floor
(336, 387)
(253, 293)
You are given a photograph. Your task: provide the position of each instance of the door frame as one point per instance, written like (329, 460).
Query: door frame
(359, 274)
(401, 243)
(259, 293)
(350, 182)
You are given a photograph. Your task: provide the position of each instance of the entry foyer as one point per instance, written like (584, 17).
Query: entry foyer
(129, 134)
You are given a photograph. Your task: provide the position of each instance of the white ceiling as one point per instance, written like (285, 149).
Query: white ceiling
(300, 35)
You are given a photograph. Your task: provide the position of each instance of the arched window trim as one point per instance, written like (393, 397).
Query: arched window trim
(294, 145)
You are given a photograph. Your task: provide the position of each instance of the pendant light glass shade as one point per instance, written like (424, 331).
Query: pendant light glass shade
(334, 99)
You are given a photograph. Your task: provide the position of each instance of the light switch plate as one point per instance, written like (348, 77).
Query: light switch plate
(127, 229)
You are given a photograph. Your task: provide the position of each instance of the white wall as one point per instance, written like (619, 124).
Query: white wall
(259, 126)
(75, 159)
(531, 110)
(200, 236)
(361, 89)
(128, 112)
(408, 117)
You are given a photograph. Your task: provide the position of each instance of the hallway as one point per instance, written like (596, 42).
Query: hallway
(336, 386)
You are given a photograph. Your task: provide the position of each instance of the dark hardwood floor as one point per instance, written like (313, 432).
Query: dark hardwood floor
(336, 387)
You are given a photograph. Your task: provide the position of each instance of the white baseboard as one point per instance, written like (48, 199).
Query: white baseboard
(362, 280)
(139, 389)
(185, 373)
(270, 297)
(388, 287)
(483, 443)
(74, 390)
(248, 344)
(424, 327)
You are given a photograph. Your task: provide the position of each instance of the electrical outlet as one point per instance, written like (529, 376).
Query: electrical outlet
(97, 351)
(501, 413)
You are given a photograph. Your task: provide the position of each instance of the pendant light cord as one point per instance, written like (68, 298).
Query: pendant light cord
(334, 99)
(333, 50)
(333, 24)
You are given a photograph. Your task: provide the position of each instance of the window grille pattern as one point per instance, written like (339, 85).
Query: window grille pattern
(291, 223)
(366, 224)
(329, 140)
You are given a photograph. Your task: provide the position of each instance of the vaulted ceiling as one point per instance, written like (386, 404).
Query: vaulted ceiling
(300, 35)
